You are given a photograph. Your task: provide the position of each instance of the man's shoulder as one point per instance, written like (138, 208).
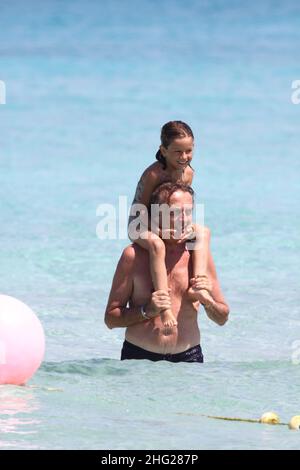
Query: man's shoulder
(132, 252)
(132, 259)
(128, 254)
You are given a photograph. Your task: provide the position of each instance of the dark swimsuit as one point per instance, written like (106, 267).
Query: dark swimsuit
(131, 351)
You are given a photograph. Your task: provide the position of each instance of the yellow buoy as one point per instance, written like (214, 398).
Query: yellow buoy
(295, 423)
(270, 418)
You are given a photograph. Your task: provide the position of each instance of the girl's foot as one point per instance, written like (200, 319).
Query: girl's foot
(201, 295)
(168, 319)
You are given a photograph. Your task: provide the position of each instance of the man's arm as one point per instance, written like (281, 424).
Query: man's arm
(117, 314)
(217, 310)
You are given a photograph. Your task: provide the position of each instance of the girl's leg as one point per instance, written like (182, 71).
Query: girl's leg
(200, 255)
(157, 252)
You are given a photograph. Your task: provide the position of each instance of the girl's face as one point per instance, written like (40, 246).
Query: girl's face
(179, 153)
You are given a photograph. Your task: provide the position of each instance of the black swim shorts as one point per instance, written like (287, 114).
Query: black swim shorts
(131, 351)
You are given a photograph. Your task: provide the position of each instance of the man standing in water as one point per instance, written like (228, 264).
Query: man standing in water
(145, 335)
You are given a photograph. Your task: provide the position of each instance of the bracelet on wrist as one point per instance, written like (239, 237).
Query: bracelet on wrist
(143, 313)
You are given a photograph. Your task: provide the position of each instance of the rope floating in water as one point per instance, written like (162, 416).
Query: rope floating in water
(244, 420)
(267, 418)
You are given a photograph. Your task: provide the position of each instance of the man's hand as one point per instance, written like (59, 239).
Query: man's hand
(160, 300)
(189, 234)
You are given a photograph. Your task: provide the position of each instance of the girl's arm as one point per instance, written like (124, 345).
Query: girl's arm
(145, 187)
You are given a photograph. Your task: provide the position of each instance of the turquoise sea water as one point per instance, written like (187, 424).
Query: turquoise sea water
(89, 85)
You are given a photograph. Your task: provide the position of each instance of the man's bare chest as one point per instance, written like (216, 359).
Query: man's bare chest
(179, 272)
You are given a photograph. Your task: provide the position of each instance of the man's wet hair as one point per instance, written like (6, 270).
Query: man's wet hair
(162, 194)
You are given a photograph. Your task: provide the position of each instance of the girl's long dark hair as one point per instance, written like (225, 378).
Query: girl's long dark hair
(170, 131)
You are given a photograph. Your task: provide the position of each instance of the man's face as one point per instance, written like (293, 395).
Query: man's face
(181, 205)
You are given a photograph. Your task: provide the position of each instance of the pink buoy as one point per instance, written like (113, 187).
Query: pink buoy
(22, 342)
